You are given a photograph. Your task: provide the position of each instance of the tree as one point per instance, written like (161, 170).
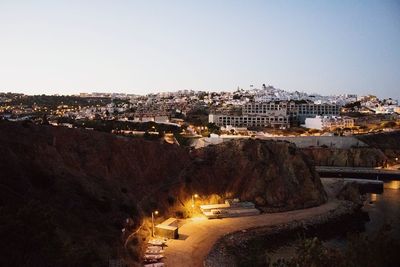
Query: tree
(389, 124)
(45, 121)
(213, 128)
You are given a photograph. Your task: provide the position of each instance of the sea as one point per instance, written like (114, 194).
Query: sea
(383, 209)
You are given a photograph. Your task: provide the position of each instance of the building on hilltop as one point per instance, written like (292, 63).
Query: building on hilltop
(305, 109)
(274, 114)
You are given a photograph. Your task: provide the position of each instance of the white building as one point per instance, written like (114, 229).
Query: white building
(328, 123)
(273, 114)
(249, 121)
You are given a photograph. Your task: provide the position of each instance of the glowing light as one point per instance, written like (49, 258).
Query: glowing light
(152, 222)
(199, 218)
(393, 185)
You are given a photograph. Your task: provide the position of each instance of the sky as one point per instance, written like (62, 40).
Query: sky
(128, 46)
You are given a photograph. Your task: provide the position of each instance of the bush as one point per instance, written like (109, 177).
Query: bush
(183, 141)
(361, 250)
(171, 200)
(389, 124)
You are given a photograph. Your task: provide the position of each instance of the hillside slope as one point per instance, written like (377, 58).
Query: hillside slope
(65, 194)
(388, 143)
(275, 175)
(352, 157)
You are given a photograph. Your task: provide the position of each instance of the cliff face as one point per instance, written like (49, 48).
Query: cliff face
(388, 143)
(353, 157)
(65, 194)
(275, 175)
(383, 148)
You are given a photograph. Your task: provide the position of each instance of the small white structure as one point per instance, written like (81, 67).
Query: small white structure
(314, 123)
(328, 123)
(214, 139)
(161, 119)
(168, 229)
(231, 208)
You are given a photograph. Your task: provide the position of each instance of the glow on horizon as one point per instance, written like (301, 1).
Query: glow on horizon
(138, 47)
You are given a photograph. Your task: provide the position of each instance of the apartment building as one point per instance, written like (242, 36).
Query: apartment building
(249, 121)
(302, 111)
(274, 114)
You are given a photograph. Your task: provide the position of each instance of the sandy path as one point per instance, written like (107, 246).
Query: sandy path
(198, 237)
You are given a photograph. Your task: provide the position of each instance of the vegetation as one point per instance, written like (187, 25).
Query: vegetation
(213, 128)
(389, 124)
(109, 125)
(198, 116)
(52, 101)
(353, 104)
(290, 131)
(361, 250)
(31, 237)
(183, 141)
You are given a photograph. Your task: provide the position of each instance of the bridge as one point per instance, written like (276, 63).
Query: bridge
(359, 173)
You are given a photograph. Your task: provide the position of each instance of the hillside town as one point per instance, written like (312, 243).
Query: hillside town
(265, 110)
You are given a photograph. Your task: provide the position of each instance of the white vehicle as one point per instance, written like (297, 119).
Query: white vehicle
(157, 241)
(153, 257)
(158, 264)
(154, 251)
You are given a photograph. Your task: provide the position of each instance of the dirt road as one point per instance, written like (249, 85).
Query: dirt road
(197, 237)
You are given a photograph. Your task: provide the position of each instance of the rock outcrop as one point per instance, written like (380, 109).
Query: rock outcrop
(353, 157)
(388, 143)
(65, 194)
(274, 175)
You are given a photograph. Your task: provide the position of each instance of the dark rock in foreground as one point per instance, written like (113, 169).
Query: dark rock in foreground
(65, 194)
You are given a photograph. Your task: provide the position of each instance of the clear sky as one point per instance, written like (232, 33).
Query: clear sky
(327, 47)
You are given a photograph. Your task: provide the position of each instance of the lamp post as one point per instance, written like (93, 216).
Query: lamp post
(193, 197)
(152, 222)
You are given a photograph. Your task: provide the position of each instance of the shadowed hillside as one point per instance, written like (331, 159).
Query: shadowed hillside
(383, 148)
(352, 157)
(65, 194)
(275, 175)
(388, 143)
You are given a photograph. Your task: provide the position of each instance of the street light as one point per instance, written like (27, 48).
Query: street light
(193, 197)
(152, 221)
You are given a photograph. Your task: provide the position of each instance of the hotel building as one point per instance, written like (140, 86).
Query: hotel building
(274, 114)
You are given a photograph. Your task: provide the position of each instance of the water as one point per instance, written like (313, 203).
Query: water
(385, 209)
(382, 209)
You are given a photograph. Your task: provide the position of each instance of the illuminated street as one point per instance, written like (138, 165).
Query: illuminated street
(198, 236)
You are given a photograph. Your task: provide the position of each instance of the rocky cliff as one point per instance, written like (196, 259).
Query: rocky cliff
(353, 157)
(65, 194)
(388, 143)
(382, 148)
(275, 175)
